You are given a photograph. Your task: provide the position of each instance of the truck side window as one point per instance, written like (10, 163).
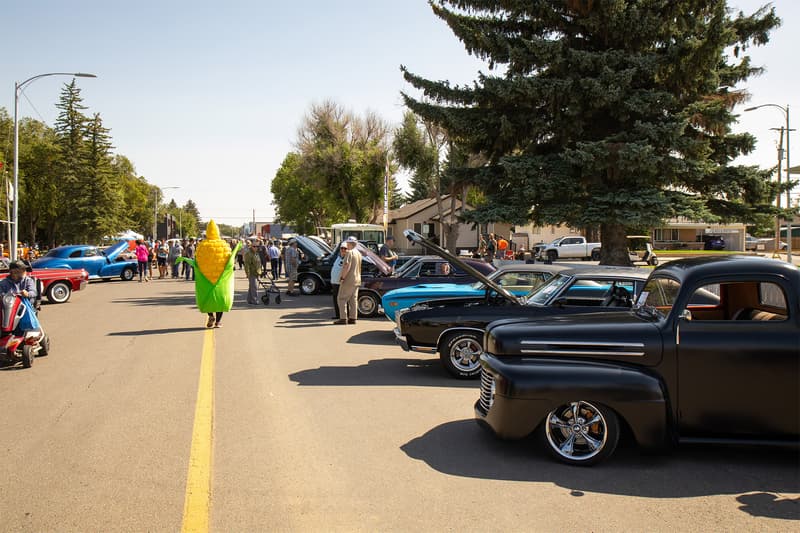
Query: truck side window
(738, 301)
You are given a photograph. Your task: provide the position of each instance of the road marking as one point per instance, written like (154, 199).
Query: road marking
(197, 505)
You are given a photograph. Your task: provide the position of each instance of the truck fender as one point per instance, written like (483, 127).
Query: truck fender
(637, 396)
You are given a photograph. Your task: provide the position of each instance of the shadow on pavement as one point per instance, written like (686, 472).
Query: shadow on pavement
(462, 448)
(165, 331)
(383, 372)
(376, 337)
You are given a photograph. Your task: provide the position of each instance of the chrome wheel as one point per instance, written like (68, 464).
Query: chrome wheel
(461, 355)
(581, 433)
(309, 285)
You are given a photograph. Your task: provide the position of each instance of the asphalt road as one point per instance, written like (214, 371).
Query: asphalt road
(316, 427)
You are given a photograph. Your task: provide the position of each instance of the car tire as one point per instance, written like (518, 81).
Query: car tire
(309, 285)
(27, 355)
(595, 255)
(127, 274)
(460, 353)
(552, 255)
(580, 433)
(58, 292)
(368, 304)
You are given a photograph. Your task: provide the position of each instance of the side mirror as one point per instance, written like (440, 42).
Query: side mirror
(685, 315)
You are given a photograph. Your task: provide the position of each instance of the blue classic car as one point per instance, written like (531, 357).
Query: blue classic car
(100, 264)
(518, 279)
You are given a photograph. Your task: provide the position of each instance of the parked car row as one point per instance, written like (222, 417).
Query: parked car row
(699, 350)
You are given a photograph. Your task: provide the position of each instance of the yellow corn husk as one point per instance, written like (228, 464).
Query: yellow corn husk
(212, 253)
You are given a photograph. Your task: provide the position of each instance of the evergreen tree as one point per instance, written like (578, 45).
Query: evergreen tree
(70, 128)
(101, 215)
(609, 113)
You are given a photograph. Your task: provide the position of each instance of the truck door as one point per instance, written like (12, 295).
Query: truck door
(737, 362)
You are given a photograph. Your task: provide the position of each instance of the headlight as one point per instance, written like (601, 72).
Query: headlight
(8, 299)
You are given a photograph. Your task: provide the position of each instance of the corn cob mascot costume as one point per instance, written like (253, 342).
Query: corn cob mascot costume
(213, 265)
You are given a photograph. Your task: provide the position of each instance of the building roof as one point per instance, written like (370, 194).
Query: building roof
(409, 210)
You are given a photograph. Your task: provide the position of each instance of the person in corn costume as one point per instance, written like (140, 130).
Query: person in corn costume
(213, 266)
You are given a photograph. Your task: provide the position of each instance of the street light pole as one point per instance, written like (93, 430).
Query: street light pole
(788, 175)
(17, 91)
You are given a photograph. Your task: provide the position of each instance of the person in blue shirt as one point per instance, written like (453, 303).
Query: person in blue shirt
(18, 281)
(386, 252)
(336, 271)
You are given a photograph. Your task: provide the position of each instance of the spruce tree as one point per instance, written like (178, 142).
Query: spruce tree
(609, 113)
(102, 191)
(70, 129)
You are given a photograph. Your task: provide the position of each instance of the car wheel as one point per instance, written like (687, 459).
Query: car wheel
(552, 255)
(309, 285)
(595, 255)
(44, 346)
(368, 304)
(580, 433)
(27, 355)
(127, 274)
(58, 292)
(461, 354)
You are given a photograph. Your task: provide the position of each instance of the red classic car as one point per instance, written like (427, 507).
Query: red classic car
(58, 283)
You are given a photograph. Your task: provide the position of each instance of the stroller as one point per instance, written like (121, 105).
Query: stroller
(267, 283)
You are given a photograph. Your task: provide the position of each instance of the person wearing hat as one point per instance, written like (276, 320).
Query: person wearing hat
(386, 252)
(349, 282)
(18, 281)
(292, 257)
(252, 268)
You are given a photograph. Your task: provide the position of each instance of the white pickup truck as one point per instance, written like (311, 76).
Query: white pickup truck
(571, 247)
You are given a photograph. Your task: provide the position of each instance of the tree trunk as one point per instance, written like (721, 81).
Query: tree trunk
(614, 245)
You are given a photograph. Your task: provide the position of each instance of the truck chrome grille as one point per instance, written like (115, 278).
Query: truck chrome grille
(487, 390)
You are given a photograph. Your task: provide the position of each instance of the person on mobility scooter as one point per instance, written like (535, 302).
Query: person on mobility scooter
(21, 335)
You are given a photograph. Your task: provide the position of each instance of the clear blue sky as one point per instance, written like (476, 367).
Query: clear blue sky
(208, 96)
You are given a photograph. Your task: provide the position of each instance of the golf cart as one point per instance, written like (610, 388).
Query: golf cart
(640, 249)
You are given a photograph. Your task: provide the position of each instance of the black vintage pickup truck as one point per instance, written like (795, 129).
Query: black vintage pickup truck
(671, 370)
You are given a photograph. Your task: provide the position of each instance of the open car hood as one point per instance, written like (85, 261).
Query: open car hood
(113, 251)
(310, 248)
(416, 238)
(374, 258)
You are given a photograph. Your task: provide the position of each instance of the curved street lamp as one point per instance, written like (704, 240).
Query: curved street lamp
(788, 176)
(17, 91)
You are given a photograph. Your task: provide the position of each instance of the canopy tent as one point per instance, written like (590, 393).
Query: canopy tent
(128, 235)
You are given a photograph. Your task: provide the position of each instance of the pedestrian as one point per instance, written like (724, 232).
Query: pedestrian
(151, 258)
(264, 255)
(281, 257)
(162, 252)
(175, 252)
(292, 258)
(240, 255)
(491, 248)
(252, 268)
(188, 253)
(349, 282)
(141, 259)
(336, 270)
(274, 259)
(386, 252)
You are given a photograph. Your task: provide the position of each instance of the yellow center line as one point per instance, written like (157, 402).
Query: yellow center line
(197, 505)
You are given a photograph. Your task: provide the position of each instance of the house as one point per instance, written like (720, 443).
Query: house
(422, 216)
(683, 233)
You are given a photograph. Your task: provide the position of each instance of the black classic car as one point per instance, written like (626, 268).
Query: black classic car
(670, 369)
(314, 270)
(455, 327)
(426, 270)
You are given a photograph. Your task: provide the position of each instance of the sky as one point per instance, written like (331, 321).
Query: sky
(208, 96)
